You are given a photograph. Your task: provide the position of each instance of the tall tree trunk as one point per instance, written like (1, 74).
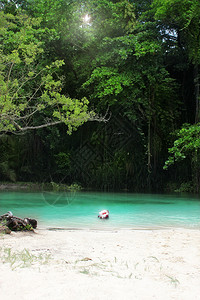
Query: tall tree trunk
(149, 146)
(196, 164)
(196, 92)
(150, 137)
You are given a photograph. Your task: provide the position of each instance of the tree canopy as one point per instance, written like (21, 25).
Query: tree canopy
(63, 63)
(31, 86)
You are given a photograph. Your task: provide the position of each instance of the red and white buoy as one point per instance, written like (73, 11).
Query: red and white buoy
(103, 214)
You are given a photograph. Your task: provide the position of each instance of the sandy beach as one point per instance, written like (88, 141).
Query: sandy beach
(94, 264)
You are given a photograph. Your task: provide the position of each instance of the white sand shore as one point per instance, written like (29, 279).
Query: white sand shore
(111, 265)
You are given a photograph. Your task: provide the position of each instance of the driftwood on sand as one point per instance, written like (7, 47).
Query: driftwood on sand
(9, 223)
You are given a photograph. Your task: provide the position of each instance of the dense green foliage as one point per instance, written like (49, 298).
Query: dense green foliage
(134, 62)
(28, 85)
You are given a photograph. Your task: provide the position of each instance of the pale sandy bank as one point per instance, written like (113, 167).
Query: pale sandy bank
(86, 265)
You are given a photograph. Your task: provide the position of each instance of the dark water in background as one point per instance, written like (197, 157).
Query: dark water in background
(80, 209)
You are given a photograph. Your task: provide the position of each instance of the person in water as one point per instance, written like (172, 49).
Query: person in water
(103, 214)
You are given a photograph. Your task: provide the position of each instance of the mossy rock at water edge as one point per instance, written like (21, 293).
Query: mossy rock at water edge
(4, 229)
(12, 223)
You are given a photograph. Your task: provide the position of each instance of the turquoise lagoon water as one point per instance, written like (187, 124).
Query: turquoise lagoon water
(80, 209)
